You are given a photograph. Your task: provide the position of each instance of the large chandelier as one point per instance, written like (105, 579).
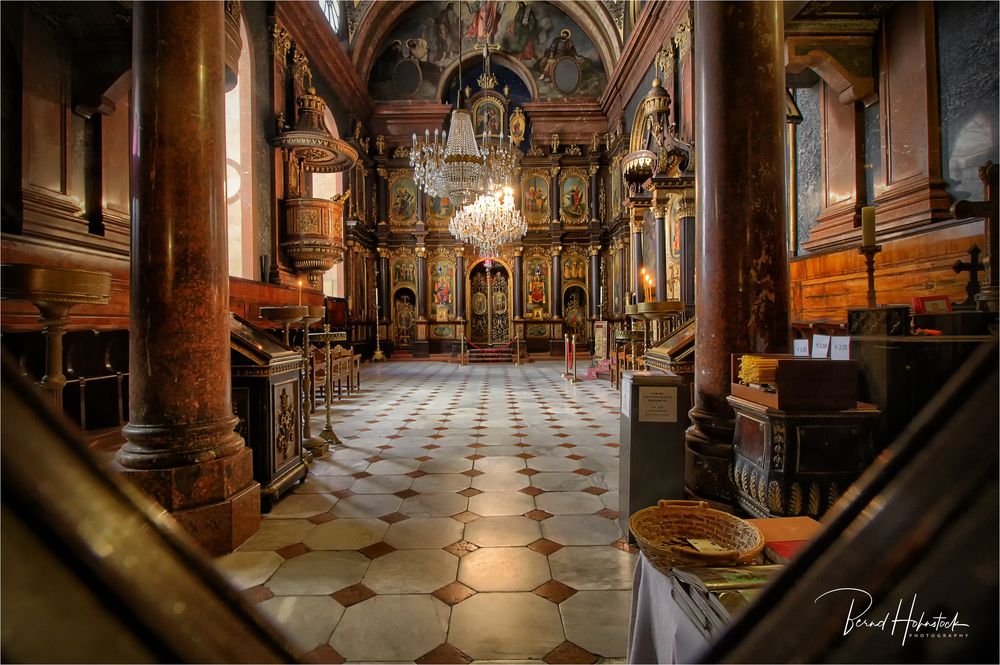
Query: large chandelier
(464, 175)
(490, 222)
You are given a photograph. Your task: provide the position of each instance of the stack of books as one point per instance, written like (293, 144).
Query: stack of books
(711, 597)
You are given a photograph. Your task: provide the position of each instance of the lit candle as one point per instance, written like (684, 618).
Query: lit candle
(300, 293)
(868, 226)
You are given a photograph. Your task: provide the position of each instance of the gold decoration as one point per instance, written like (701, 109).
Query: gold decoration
(573, 150)
(285, 438)
(683, 37)
(401, 152)
(574, 196)
(402, 198)
(380, 144)
(280, 43)
(517, 125)
(534, 150)
(555, 143)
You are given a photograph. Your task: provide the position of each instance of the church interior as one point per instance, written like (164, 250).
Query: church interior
(565, 331)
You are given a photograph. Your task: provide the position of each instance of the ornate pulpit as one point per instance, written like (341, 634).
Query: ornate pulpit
(267, 397)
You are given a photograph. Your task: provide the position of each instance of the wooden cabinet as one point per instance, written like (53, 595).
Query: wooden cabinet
(790, 463)
(267, 399)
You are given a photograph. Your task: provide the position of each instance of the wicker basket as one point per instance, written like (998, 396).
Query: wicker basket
(656, 526)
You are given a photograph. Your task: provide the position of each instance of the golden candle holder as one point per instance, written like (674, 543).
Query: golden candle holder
(328, 337)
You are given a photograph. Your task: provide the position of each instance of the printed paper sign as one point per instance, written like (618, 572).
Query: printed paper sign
(657, 405)
(800, 347)
(840, 348)
(821, 346)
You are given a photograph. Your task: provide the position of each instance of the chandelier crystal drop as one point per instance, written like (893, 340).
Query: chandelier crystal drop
(490, 222)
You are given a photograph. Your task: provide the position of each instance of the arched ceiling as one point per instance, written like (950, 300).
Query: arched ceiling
(595, 35)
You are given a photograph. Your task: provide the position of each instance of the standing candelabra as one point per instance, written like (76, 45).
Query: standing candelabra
(314, 444)
(328, 337)
(378, 356)
(869, 253)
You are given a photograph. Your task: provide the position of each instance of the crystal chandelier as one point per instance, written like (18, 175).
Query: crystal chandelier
(427, 160)
(490, 222)
(463, 162)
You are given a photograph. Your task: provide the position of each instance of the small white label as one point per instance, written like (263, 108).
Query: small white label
(657, 405)
(821, 346)
(624, 405)
(840, 348)
(800, 347)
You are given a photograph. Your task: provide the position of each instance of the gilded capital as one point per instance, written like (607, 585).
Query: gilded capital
(595, 250)
(685, 208)
(518, 251)
(683, 37)
(554, 170)
(555, 251)
(635, 226)
(383, 251)
(661, 211)
(382, 173)
(421, 251)
(280, 42)
(594, 168)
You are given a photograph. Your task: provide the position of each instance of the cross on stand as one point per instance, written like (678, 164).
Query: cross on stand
(972, 266)
(987, 298)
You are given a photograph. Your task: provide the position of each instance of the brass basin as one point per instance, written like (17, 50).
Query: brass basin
(44, 284)
(284, 313)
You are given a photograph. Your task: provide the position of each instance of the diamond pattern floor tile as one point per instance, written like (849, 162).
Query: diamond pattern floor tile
(467, 516)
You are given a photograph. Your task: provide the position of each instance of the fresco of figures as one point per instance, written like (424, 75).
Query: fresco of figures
(425, 41)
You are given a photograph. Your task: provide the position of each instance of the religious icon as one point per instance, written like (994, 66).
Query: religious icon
(403, 199)
(537, 283)
(535, 198)
(500, 302)
(574, 198)
(489, 117)
(404, 271)
(517, 125)
(440, 208)
(479, 303)
(574, 312)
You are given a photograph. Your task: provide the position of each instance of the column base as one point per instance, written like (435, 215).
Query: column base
(708, 458)
(217, 502)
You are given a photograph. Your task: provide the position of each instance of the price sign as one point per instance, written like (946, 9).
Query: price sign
(800, 347)
(821, 346)
(840, 348)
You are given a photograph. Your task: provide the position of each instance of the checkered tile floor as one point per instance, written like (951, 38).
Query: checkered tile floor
(469, 516)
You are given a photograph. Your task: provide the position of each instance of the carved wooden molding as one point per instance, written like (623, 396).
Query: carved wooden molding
(844, 62)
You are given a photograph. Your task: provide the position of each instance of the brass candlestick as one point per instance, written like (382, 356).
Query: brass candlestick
(869, 253)
(328, 337)
(378, 356)
(314, 444)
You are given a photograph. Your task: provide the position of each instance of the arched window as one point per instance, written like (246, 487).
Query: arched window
(332, 11)
(325, 186)
(239, 169)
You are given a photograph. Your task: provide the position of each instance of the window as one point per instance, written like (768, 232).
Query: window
(239, 169)
(331, 8)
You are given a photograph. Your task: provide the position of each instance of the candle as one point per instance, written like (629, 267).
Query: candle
(300, 293)
(868, 226)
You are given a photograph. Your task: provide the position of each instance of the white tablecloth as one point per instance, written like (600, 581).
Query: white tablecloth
(659, 631)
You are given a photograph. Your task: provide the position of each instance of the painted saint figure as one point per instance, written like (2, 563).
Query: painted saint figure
(485, 20)
(561, 46)
(522, 33)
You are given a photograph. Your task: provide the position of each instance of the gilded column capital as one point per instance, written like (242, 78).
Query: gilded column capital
(460, 252)
(635, 226)
(594, 168)
(661, 211)
(382, 173)
(518, 250)
(554, 170)
(383, 251)
(555, 251)
(421, 251)
(685, 208)
(595, 250)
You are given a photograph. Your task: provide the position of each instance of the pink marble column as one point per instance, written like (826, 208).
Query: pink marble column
(181, 447)
(742, 273)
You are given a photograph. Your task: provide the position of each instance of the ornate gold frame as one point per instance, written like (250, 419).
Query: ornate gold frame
(565, 174)
(536, 218)
(488, 101)
(395, 175)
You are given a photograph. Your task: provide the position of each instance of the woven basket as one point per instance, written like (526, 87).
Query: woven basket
(656, 526)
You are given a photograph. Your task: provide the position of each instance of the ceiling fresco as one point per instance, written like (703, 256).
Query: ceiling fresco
(538, 39)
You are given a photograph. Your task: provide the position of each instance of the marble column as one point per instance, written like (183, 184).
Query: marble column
(460, 282)
(383, 284)
(180, 444)
(742, 286)
(638, 292)
(595, 208)
(518, 284)
(595, 281)
(421, 304)
(685, 212)
(556, 282)
(660, 250)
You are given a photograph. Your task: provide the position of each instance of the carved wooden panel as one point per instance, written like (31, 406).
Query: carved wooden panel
(286, 423)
